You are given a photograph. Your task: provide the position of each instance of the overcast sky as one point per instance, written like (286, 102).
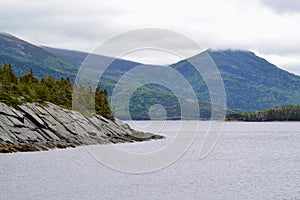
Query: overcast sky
(270, 28)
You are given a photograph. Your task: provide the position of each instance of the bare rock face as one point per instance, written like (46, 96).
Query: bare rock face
(33, 127)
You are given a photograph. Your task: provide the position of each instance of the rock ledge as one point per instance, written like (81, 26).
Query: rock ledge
(34, 127)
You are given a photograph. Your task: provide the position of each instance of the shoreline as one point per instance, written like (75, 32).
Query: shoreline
(35, 127)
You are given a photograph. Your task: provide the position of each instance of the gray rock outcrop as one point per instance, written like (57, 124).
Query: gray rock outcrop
(35, 127)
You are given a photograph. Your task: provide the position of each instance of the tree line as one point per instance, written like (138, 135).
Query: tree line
(27, 88)
(283, 113)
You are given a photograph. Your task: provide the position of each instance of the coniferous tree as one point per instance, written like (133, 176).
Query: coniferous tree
(28, 88)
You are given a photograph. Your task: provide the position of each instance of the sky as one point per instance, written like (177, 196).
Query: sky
(270, 28)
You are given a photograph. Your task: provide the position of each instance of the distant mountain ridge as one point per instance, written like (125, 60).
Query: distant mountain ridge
(73, 57)
(23, 56)
(115, 70)
(251, 82)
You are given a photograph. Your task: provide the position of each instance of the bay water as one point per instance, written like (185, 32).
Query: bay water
(249, 161)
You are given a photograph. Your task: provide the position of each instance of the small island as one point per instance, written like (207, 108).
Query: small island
(283, 113)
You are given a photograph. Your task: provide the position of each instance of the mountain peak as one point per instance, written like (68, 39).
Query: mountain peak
(7, 34)
(9, 37)
(230, 51)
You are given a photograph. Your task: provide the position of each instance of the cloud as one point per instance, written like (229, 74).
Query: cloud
(78, 23)
(290, 63)
(83, 25)
(293, 68)
(283, 6)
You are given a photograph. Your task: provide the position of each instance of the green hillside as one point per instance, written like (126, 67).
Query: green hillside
(251, 82)
(23, 56)
(141, 100)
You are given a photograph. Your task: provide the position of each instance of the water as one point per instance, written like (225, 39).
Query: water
(250, 161)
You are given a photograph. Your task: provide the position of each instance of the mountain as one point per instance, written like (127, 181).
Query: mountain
(115, 70)
(23, 56)
(142, 98)
(251, 82)
(47, 61)
(73, 57)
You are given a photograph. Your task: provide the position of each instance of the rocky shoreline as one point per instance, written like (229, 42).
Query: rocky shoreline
(36, 127)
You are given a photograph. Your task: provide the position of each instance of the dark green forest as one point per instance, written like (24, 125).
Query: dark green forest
(27, 88)
(283, 113)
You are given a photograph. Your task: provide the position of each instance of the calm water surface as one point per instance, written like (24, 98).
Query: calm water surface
(250, 161)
